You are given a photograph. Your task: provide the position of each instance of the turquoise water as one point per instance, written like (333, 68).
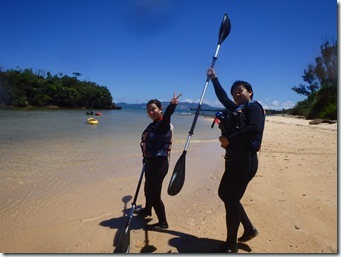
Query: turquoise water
(59, 174)
(44, 151)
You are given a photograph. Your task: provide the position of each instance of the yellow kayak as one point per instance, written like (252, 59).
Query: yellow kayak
(92, 121)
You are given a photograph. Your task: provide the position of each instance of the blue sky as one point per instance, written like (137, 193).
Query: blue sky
(144, 49)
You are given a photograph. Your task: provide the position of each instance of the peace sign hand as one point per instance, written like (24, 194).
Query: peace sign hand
(175, 99)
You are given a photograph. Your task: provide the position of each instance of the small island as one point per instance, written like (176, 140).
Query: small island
(25, 88)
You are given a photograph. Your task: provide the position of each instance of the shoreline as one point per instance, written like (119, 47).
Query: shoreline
(292, 202)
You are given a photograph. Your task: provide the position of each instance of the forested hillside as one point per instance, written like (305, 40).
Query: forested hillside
(23, 87)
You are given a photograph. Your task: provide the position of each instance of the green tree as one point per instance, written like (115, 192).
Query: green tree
(321, 91)
(21, 87)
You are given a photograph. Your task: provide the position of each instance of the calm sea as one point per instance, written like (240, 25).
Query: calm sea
(45, 150)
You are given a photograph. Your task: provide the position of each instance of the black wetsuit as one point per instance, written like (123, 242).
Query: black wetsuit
(156, 168)
(241, 163)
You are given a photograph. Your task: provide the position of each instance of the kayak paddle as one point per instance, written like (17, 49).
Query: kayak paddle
(178, 176)
(123, 245)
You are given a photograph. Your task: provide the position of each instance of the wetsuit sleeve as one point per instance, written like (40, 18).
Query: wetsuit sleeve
(166, 119)
(222, 96)
(254, 124)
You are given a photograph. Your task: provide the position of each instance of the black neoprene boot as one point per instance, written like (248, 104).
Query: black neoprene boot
(248, 234)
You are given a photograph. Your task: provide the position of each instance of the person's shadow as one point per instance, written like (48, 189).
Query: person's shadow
(184, 243)
(137, 223)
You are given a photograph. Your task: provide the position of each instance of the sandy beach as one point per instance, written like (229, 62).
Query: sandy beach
(292, 202)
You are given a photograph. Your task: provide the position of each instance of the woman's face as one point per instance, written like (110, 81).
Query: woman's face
(154, 112)
(241, 95)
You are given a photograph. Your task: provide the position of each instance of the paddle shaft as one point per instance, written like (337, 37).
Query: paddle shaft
(191, 132)
(178, 176)
(124, 242)
(138, 186)
(133, 204)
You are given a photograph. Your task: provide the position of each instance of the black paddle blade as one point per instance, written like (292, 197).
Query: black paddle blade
(225, 28)
(178, 177)
(123, 245)
(124, 241)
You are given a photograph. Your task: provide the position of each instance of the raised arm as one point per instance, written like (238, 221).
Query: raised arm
(166, 118)
(220, 92)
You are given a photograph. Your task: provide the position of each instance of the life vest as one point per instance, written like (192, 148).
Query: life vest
(232, 121)
(154, 145)
(256, 142)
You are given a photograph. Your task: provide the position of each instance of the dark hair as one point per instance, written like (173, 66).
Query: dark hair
(247, 86)
(156, 102)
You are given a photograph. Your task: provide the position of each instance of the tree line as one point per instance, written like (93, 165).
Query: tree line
(23, 87)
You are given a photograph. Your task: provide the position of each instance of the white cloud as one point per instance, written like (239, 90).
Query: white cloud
(188, 100)
(288, 104)
(277, 105)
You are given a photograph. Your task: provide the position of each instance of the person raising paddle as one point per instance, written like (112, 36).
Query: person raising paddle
(241, 160)
(156, 144)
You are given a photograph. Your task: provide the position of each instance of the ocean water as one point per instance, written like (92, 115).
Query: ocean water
(44, 152)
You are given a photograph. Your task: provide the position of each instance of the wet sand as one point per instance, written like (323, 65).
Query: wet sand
(292, 201)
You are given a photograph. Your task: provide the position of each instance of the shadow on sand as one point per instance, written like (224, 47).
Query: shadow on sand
(184, 243)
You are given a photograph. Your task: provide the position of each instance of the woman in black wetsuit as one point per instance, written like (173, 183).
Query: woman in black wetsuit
(241, 161)
(156, 143)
